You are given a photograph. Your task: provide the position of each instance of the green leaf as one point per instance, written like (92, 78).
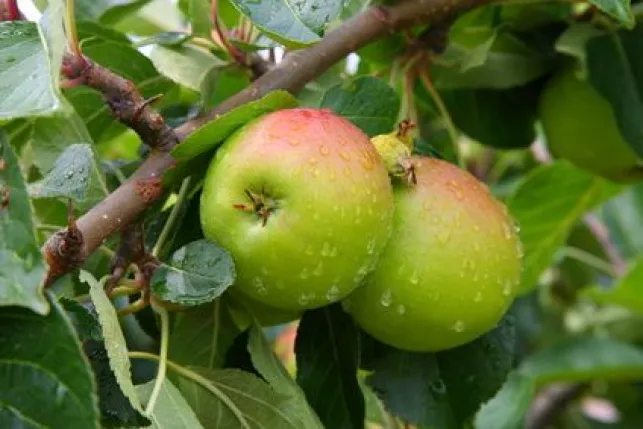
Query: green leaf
(187, 65)
(617, 54)
(93, 10)
(199, 13)
(622, 215)
(171, 411)
(293, 23)
(167, 38)
(547, 204)
(367, 102)
(214, 132)
(74, 175)
(22, 269)
(195, 274)
(327, 351)
(114, 340)
(86, 324)
(220, 83)
(575, 360)
(233, 399)
(480, 113)
(617, 9)
(474, 372)
(202, 335)
(28, 85)
(273, 371)
(44, 378)
(626, 292)
(410, 386)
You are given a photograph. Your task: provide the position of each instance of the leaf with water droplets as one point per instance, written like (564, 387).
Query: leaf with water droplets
(327, 350)
(75, 175)
(28, 83)
(196, 273)
(214, 132)
(368, 102)
(295, 23)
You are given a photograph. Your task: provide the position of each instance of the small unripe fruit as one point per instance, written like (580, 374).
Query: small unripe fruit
(580, 126)
(451, 268)
(303, 203)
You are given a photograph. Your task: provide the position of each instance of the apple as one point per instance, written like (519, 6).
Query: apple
(303, 203)
(580, 126)
(451, 268)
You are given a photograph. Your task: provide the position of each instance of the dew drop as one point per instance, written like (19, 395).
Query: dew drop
(312, 161)
(333, 293)
(323, 149)
(443, 235)
(325, 249)
(344, 155)
(401, 309)
(333, 252)
(507, 230)
(506, 289)
(387, 298)
(458, 326)
(319, 269)
(304, 299)
(293, 142)
(414, 279)
(304, 274)
(309, 250)
(347, 171)
(478, 297)
(259, 286)
(476, 277)
(370, 247)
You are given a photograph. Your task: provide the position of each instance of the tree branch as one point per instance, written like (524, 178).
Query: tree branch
(122, 206)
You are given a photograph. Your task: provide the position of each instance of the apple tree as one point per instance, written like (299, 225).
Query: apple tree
(308, 214)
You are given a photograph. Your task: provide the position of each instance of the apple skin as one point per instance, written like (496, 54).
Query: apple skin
(580, 126)
(332, 199)
(451, 268)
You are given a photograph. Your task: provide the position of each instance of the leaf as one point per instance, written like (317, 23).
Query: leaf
(547, 204)
(199, 13)
(202, 335)
(114, 339)
(187, 65)
(214, 132)
(195, 274)
(410, 386)
(368, 102)
(28, 86)
(86, 324)
(75, 175)
(44, 378)
(167, 38)
(575, 360)
(622, 216)
(22, 269)
(480, 113)
(171, 411)
(617, 9)
(273, 371)
(93, 10)
(626, 292)
(474, 372)
(220, 83)
(295, 23)
(233, 399)
(617, 54)
(327, 351)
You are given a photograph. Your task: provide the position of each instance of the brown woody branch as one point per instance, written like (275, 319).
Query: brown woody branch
(123, 206)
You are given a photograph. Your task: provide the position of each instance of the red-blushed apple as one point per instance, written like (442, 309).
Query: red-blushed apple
(304, 204)
(451, 268)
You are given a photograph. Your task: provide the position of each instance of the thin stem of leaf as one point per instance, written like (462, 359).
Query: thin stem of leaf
(198, 379)
(70, 25)
(162, 367)
(590, 260)
(171, 220)
(444, 112)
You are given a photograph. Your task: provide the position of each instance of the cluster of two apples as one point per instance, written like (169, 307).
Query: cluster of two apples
(312, 215)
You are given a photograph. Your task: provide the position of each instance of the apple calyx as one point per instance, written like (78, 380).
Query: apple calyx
(260, 204)
(395, 150)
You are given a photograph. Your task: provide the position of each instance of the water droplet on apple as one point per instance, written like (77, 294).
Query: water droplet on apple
(507, 230)
(304, 274)
(387, 298)
(303, 299)
(506, 289)
(259, 286)
(325, 249)
(332, 294)
(354, 190)
(309, 250)
(319, 269)
(401, 309)
(370, 247)
(478, 297)
(312, 161)
(458, 326)
(347, 171)
(323, 149)
(414, 279)
(290, 142)
(344, 155)
(333, 252)
(443, 235)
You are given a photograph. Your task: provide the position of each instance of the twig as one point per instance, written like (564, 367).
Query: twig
(123, 206)
(550, 402)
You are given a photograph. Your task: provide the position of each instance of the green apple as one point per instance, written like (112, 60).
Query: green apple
(580, 126)
(451, 268)
(303, 203)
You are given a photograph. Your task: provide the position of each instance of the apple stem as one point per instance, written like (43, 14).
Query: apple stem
(261, 205)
